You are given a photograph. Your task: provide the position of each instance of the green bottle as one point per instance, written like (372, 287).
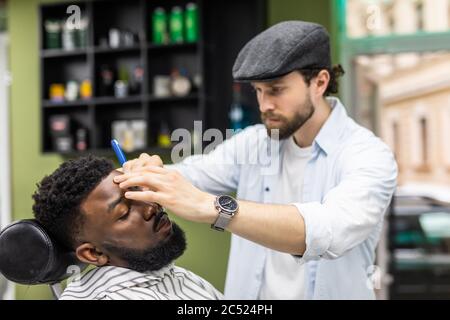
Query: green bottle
(176, 25)
(191, 21)
(159, 25)
(53, 34)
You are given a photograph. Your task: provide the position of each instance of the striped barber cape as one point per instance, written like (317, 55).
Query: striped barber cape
(116, 283)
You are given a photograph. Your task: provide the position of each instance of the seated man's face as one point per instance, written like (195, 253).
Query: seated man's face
(121, 232)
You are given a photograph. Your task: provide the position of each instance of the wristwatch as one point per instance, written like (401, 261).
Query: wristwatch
(227, 207)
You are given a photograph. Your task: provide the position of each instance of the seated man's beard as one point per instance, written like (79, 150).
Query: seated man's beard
(288, 127)
(155, 258)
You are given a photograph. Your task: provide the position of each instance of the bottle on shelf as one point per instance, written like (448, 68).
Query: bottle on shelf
(69, 37)
(106, 81)
(176, 25)
(121, 84)
(81, 142)
(136, 80)
(164, 136)
(71, 93)
(159, 26)
(52, 34)
(86, 89)
(236, 114)
(191, 22)
(241, 115)
(82, 33)
(114, 37)
(180, 83)
(57, 92)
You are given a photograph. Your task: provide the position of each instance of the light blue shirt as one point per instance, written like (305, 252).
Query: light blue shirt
(347, 187)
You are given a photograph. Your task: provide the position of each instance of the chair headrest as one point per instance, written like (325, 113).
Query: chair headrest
(28, 255)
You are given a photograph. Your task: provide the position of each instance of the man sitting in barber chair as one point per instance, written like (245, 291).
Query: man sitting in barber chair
(133, 244)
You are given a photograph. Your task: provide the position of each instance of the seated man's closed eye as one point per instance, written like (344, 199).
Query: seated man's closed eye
(133, 244)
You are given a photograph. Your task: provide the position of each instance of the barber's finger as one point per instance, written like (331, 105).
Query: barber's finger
(143, 161)
(131, 165)
(144, 196)
(148, 168)
(144, 156)
(145, 180)
(127, 166)
(146, 159)
(139, 172)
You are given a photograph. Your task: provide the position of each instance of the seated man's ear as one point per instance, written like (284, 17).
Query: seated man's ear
(88, 253)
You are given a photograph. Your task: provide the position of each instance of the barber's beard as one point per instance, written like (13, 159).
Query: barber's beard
(155, 258)
(288, 127)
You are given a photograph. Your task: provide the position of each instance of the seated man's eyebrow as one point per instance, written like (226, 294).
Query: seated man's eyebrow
(114, 203)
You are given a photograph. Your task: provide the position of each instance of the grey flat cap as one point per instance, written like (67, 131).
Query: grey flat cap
(283, 48)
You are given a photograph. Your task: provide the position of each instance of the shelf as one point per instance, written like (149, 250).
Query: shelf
(109, 50)
(150, 150)
(114, 100)
(95, 101)
(56, 53)
(107, 152)
(170, 46)
(190, 97)
(53, 104)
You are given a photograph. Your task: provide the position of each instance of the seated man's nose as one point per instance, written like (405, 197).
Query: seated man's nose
(147, 213)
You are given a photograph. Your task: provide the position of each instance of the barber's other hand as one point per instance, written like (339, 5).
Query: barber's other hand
(171, 190)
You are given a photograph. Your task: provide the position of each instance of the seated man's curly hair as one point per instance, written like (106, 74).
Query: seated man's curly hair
(59, 196)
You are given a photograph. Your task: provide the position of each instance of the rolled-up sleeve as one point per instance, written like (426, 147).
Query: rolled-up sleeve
(350, 211)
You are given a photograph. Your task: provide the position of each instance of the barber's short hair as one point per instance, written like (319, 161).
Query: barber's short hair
(335, 73)
(59, 196)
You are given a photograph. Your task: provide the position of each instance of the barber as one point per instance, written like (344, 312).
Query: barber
(306, 222)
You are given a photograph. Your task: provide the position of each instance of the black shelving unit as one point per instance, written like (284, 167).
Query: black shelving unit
(225, 26)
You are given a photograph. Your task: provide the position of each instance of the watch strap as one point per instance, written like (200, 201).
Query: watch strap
(222, 221)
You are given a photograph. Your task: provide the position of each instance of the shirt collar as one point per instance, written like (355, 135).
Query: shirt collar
(330, 134)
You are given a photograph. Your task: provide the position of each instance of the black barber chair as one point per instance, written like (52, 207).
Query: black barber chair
(29, 256)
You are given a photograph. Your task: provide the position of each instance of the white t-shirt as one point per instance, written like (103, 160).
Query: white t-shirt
(284, 278)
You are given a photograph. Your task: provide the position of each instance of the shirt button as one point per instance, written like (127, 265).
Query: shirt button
(267, 189)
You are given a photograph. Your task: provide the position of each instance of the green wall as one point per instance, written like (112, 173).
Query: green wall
(318, 11)
(28, 165)
(207, 251)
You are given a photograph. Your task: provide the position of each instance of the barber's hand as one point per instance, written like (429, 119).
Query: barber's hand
(171, 190)
(141, 162)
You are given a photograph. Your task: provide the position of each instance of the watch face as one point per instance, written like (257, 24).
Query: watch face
(228, 203)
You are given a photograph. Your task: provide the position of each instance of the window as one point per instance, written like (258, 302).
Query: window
(396, 140)
(424, 140)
